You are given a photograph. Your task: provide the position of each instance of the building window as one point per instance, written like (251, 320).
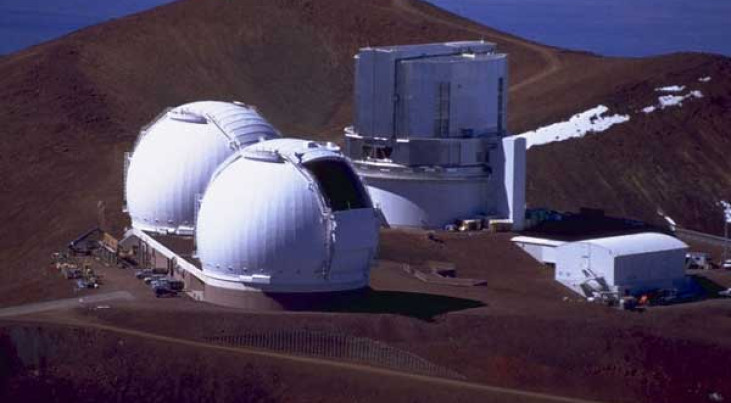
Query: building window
(441, 118)
(376, 152)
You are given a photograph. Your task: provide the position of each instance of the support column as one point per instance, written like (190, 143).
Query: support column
(514, 150)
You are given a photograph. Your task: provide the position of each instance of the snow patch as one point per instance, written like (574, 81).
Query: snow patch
(671, 88)
(705, 79)
(672, 100)
(590, 121)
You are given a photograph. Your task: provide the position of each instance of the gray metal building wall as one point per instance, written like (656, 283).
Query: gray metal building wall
(396, 87)
(461, 91)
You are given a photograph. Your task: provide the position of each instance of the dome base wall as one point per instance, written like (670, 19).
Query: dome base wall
(267, 301)
(173, 253)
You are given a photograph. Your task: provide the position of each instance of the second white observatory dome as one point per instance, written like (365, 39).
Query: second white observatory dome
(176, 155)
(287, 216)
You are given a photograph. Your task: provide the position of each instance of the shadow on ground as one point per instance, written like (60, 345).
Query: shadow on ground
(586, 224)
(416, 305)
(706, 287)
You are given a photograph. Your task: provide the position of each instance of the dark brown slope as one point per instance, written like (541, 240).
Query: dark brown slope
(48, 365)
(71, 107)
(674, 159)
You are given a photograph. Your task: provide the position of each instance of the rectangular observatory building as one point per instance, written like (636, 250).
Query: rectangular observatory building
(429, 134)
(434, 90)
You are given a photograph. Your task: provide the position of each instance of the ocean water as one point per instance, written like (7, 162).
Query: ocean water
(609, 27)
(28, 22)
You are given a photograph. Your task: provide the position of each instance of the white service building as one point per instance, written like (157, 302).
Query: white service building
(540, 249)
(627, 264)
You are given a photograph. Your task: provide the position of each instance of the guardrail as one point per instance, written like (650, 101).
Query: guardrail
(338, 347)
(162, 249)
(701, 237)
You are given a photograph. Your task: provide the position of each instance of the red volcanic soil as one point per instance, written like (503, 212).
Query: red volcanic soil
(70, 108)
(90, 365)
(518, 332)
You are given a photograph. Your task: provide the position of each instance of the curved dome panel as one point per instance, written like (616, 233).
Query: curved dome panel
(176, 155)
(241, 124)
(287, 216)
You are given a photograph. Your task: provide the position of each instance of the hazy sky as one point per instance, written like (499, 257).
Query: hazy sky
(26, 22)
(610, 27)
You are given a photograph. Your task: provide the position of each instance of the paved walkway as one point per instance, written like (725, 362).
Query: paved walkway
(64, 303)
(701, 237)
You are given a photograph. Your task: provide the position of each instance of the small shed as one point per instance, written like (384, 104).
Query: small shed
(627, 264)
(87, 242)
(541, 249)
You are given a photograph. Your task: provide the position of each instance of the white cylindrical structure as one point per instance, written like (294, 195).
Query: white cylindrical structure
(176, 155)
(286, 216)
(427, 200)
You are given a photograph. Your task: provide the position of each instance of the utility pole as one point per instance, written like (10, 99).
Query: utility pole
(725, 242)
(726, 220)
(101, 209)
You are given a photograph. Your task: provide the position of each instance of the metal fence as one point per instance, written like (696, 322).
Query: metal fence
(337, 347)
(700, 237)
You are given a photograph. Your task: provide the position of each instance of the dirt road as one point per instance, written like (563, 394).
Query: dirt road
(495, 393)
(20, 311)
(63, 304)
(552, 62)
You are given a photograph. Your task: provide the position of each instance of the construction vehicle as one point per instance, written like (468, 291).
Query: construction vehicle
(628, 303)
(167, 287)
(153, 277)
(86, 277)
(164, 291)
(71, 273)
(86, 283)
(698, 260)
(664, 296)
(87, 243)
(469, 225)
(499, 225)
(173, 284)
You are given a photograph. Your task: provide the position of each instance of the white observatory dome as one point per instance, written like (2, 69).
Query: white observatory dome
(175, 156)
(286, 216)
